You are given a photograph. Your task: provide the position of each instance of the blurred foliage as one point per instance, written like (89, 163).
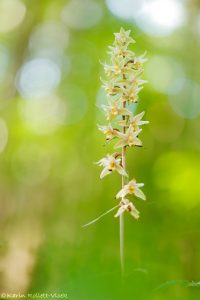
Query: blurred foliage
(49, 186)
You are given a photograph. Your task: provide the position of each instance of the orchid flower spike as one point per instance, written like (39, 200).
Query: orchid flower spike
(123, 85)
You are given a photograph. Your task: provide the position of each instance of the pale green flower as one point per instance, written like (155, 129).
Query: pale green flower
(109, 131)
(126, 205)
(114, 109)
(123, 38)
(139, 61)
(130, 93)
(132, 188)
(118, 68)
(121, 52)
(114, 70)
(110, 164)
(112, 87)
(134, 121)
(130, 138)
(127, 89)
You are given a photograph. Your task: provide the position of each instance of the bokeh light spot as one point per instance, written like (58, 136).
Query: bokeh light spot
(162, 72)
(161, 18)
(155, 17)
(38, 77)
(4, 61)
(80, 14)
(44, 115)
(49, 40)
(126, 9)
(177, 173)
(3, 135)
(12, 13)
(185, 102)
(166, 126)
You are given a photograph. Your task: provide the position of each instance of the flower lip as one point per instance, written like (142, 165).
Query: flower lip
(111, 163)
(132, 188)
(130, 138)
(126, 205)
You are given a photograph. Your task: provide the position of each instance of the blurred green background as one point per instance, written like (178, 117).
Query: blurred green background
(49, 187)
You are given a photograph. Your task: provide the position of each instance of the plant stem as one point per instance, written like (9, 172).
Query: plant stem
(121, 235)
(121, 220)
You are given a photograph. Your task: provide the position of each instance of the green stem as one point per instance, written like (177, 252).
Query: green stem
(121, 220)
(121, 235)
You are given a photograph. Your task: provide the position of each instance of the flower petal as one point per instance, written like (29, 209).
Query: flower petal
(135, 213)
(101, 162)
(120, 143)
(125, 111)
(120, 211)
(121, 171)
(138, 193)
(122, 193)
(139, 116)
(104, 172)
(137, 142)
(143, 122)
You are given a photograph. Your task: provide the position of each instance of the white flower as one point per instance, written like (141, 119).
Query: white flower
(121, 51)
(114, 70)
(111, 87)
(131, 92)
(109, 131)
(126, 205)
(132, 188)
(110, 164)
(123, 38)
(114, 109)
(130, 138)
(119, 68)
(135, 121)
(139, 61)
